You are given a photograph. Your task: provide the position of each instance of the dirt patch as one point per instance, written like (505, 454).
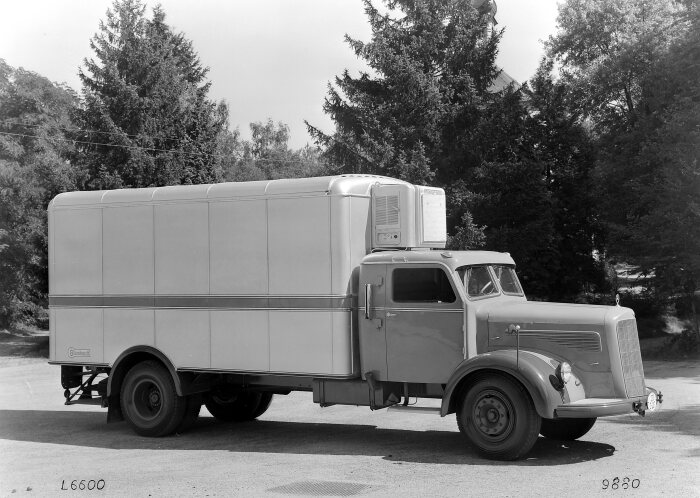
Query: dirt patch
(24, 343)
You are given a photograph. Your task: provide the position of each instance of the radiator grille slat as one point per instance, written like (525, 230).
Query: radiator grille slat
(630, 357)
(582, 340)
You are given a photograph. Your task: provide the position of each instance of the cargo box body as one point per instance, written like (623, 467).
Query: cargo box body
(245, 277)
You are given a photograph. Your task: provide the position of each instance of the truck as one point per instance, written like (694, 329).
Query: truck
(165, 299)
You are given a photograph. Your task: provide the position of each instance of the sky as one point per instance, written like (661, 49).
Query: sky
(266, 58)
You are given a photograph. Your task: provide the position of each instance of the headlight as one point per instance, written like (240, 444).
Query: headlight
(564, 372)
(651, 401)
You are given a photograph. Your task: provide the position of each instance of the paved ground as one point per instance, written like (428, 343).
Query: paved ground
(298, 448)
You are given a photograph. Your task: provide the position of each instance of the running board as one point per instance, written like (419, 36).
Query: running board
(416, 409)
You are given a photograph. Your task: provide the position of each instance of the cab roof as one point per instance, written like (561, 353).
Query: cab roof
(453, 259)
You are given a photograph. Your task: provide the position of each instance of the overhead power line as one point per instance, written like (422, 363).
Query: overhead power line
(151, 149)
(73, 130)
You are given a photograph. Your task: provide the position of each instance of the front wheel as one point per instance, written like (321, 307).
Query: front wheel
(566, 429)
(149, 400)
(498, 417)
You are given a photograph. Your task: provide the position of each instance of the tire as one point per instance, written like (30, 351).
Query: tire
(498, 417)
(193, 404)
(566, 429)
(149, 401)
(265, 401)
(228, 405)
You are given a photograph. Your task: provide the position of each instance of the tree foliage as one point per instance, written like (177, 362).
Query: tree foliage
(412, 116)
(515, 162)
(606, 49)
(267, 156)
(636, 66)
(35, 165)
(650, 174)
(147, 120)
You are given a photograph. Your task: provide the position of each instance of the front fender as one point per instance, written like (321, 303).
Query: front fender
(532, 370)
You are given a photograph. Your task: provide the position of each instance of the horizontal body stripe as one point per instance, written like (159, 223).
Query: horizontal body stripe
(207, 302)
(431, 310)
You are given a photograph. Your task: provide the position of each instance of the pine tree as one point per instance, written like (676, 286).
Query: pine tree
(414, 115)
(146, 114)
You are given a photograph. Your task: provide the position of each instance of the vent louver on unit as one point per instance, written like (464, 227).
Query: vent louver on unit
(386, 208)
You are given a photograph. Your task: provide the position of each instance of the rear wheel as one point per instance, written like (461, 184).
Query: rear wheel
(149, 401)
(228, 405)
(265, 401)
(566, 429)
(498, 417)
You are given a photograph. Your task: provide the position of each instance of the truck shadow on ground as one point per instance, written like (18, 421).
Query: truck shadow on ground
(89, 429)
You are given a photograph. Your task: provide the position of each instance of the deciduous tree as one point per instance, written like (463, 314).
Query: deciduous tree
(36, 153)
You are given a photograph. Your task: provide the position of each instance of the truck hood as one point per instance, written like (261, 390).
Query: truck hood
(566, 330)
(534, 312)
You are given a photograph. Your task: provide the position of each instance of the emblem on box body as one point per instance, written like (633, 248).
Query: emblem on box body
(78, 353)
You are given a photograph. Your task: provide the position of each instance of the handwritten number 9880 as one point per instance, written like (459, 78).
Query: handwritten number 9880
(616, 483)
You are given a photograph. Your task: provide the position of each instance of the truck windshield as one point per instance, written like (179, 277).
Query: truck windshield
(478, 281)
(507, 279)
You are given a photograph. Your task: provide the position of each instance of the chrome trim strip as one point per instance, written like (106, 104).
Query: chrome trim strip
(271, 372)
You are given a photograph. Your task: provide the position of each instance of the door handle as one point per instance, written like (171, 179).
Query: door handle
(368, 297)
(389, 314)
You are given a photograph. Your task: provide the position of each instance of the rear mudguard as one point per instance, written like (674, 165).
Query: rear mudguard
(532, 370)
(132, 356)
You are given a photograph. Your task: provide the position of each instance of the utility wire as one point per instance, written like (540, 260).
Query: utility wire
(150, 149)
(71, 130)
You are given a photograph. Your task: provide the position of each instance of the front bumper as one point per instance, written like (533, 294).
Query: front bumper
(605, 407)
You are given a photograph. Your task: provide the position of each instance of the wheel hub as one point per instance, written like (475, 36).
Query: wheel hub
(492, 416)
(147, 399)
(154, 398)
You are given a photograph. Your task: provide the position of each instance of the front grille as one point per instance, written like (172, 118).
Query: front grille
(630, 357)
(581, 340)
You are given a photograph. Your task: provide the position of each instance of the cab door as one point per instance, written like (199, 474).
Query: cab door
(372, 320)
(424, 324)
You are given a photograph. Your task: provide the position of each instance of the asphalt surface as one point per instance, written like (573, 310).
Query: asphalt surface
(299, 449)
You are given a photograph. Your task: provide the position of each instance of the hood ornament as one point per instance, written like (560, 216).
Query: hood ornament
(617, 299)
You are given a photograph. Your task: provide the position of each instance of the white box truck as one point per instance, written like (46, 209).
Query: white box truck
(164, 299)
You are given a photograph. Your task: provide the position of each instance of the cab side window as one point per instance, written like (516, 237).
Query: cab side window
(421, 285)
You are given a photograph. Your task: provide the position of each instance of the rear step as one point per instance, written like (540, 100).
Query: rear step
(415, 409)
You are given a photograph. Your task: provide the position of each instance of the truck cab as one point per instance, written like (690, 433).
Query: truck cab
(460, 321)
